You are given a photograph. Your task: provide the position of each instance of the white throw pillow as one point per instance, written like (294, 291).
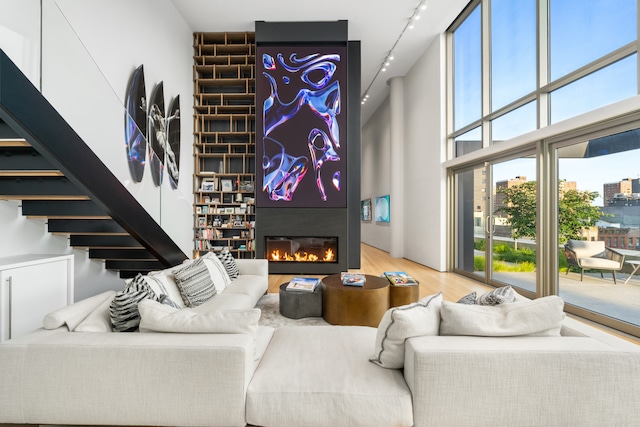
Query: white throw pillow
(539, 317)
(399, 323)
(99, 320)
(157, 317)
(164, 283)
(72, 315)
(217, 270)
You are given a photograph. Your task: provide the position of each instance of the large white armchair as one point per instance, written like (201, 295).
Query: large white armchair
(592, 255)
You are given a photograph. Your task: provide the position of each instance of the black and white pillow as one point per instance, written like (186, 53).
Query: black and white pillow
(503, 295)
(468, 299)
(194, 282)
(229, 263)
(123, 310)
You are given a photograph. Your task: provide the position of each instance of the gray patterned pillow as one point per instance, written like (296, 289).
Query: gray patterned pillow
(468, 299)
(194, 282)
(229, 263)
(123, 310)
(502, 295)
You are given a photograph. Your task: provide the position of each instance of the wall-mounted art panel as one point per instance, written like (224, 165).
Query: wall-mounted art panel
(301, 131)
(157, 133)
(382, 209)
(135, 126)
(173, 142)
(365, 210)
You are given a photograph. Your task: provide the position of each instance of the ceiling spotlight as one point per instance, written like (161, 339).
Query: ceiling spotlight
(424, 6)
(390, 57)
(411, 25)
(386, 64)
(417, 17)
(384, 69)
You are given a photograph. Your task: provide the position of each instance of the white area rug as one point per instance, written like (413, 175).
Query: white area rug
(269, 304)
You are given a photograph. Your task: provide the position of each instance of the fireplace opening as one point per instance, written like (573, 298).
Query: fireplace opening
(302, 249)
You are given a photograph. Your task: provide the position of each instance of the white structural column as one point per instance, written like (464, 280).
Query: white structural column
(397, 166)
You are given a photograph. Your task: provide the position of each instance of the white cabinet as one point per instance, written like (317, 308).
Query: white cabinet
(31, 286)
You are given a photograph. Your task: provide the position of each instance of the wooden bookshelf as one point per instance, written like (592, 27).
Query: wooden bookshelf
(225, 142)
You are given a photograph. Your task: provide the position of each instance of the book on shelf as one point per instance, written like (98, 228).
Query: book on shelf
(353, 279)
(400, 278)
(303, 284)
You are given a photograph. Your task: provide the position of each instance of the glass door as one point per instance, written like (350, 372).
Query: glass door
(496, 222)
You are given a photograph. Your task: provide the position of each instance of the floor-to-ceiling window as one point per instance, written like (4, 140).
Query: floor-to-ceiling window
(534, 87)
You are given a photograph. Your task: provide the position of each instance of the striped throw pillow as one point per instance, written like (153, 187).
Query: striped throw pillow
(194, 282)
(229, 263)
(503, 295)
(123, 310)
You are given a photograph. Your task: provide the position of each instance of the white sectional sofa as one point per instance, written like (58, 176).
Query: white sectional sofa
(558, 372)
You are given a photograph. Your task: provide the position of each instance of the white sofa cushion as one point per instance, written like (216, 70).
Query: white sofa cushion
(539, 317)
(72, 315)
(157, 317)
(400, 323)
(319, 376)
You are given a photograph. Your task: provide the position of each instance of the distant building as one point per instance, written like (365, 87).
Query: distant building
(615, 191)
(620, 237)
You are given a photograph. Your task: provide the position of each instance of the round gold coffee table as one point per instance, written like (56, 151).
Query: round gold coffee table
(354, 305)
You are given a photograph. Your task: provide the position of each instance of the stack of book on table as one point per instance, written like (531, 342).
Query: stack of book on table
(400, 278)
(303, 284)
(352, 279)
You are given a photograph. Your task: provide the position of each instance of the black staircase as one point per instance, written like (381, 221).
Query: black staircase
(46, 165)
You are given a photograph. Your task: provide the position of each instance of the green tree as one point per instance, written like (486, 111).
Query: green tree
(519, 205)
(575, 211)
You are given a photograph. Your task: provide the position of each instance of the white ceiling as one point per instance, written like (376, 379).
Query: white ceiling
(376, 23)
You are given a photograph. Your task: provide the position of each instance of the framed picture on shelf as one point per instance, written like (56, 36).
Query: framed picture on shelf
(208, 184)
(202, 221)
(229, 210)
(226, 185)
(365, 210)
(198, 210)
(382, 209)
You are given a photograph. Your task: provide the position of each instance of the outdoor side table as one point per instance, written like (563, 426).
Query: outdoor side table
(636, 266)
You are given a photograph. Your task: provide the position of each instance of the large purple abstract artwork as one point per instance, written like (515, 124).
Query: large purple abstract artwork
(300, 152)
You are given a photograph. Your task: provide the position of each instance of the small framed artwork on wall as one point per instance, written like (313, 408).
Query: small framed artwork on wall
(382, 209)
(365, 210)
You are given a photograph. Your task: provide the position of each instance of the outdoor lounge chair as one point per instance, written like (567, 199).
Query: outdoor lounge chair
(593, 255)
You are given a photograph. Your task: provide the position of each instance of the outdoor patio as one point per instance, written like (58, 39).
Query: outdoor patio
(594, 293)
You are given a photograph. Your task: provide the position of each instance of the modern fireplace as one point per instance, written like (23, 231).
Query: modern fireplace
(301, 249)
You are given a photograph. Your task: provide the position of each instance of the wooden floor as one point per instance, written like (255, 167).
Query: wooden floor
(375, 261)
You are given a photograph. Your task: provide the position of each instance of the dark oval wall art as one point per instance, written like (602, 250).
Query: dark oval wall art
(136, 124)
(173, 138)
(157, 133)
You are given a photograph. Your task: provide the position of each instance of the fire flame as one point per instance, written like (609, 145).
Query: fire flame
(301, 257)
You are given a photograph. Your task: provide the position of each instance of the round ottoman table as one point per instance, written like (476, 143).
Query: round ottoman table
(296, 305)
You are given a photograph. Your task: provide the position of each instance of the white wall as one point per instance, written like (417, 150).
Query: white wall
(20, 35)
(424, 210)
(376, 174)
